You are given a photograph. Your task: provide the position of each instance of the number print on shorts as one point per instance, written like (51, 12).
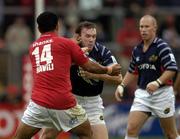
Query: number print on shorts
(44, 57)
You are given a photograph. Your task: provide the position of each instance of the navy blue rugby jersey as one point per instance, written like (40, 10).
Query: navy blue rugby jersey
(151, 64)
(89, 87)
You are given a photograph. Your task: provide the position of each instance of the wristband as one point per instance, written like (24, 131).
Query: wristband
(109, 70)
(85, 49)
(122, 85)
(159, 82)
(120, 89)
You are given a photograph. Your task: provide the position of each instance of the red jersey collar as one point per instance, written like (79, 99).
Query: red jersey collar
(49, 34)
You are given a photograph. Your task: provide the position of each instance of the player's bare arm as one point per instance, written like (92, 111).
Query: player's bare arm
(154, 85)
(128, 78)
(97, 68)
(104, 77)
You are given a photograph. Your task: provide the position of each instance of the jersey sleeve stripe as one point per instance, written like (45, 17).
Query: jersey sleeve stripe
(106, 60)
(132, 66)
(163, 58)
(108, 52)
(103, 49)
(161, 44)
(172, 68)
(114, 60)
(163, 50)
(131, 70)
(155, 40)
(168, 63)
(96, 47)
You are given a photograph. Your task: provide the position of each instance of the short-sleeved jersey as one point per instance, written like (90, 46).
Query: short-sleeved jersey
(176, 52)
(51, 57)
(88, 87)
(151, 64)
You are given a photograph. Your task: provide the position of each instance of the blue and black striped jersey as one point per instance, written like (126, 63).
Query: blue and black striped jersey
(151, 64)
(89, 87)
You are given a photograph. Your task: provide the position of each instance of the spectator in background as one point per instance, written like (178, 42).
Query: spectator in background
(13, 94)
(127, 37)
(11, 2)
(3, 94)
(89, 6)
(133, 8)
(69, 30)
(2, 44)
(101, 35)
(71, 18)
(177, 85)
(27, 3)
(171, 35)
(17, 38)
(1, 15)
(112, 3)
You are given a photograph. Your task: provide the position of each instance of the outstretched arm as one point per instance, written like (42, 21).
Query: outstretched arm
(93, 67)
(128, 78)
(104, 77)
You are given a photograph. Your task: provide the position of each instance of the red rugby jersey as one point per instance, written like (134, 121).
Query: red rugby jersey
(51, 57)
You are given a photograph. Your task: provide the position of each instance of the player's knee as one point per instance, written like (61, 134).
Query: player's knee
(132, 130)
(87, 134)
(46, 136)
(171, 136)
(49, 134)
(15, 136)
(20, 136)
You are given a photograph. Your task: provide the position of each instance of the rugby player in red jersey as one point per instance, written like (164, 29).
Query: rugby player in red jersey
(87, 87)
(52, 104)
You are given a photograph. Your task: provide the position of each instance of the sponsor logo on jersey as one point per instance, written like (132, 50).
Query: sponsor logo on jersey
(153, 58)
(42, 42)
(146, 66)
(137, 59)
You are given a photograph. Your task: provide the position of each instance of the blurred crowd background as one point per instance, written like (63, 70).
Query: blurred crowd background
(117, 26)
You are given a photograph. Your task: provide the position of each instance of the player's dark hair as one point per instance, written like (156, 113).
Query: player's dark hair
(47, 21)
(85, 24)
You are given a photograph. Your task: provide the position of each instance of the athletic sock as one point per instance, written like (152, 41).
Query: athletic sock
(126, 137)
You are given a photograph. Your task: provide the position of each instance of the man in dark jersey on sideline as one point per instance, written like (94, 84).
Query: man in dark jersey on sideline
(154, 65)
(87, 86)
(52, 103)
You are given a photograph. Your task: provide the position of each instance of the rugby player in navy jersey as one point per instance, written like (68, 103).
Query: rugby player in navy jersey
(154, 65)
(87, 86)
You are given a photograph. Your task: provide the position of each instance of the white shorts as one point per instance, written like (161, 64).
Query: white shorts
(93, 107)
(41, 117)
(161, 103)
